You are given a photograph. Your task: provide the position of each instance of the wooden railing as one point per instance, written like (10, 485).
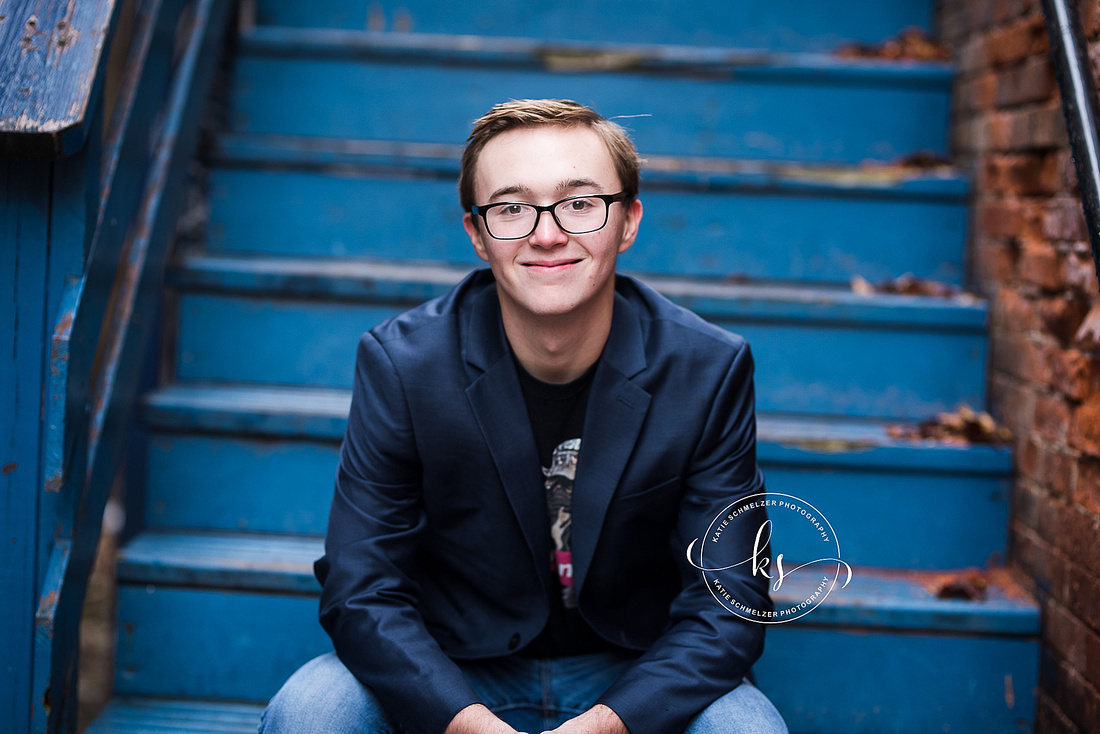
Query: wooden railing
(90, 192)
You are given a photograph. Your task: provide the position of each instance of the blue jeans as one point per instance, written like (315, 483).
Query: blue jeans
(530, 695)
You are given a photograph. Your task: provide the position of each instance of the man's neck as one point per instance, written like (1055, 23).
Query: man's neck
(558, 349)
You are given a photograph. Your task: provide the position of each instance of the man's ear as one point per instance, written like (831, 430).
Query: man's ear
(630, 225)
(469, 223)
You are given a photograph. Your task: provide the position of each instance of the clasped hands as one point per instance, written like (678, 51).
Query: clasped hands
(477, 719)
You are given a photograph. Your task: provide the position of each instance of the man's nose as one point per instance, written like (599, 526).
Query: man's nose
(547, 232)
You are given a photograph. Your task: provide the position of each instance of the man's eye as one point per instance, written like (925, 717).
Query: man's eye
(579, 206)
(511, 210)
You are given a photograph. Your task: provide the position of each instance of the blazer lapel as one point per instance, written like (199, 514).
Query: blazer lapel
(616, 411)
(497, 402)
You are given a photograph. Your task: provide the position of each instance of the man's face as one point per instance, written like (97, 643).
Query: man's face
(551, 272)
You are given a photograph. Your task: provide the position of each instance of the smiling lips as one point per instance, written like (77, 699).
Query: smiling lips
(549, 264)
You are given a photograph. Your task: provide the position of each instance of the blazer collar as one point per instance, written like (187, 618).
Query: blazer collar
(486, 343)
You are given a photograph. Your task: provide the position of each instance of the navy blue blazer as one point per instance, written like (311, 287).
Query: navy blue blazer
(438, 542)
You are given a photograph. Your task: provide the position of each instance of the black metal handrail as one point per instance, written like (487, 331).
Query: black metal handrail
(1079, 104)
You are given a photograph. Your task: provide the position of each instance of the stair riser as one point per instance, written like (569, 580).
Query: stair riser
(168, 646)
(799, 116)
(809, 236)
(198, 643)
(801, 25)
(894, 519)
(239, 483)
(802, 367)
(854, 681)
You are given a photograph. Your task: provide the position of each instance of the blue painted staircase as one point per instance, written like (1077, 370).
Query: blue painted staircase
(772, 179)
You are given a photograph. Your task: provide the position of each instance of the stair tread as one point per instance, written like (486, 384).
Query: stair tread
(224, 560)
(874, 598)
(279, 400)
(137, 715)
(363, 278)
(321, 414)
(580, 55)
(716, 173)
(795, 24)
(153, 552)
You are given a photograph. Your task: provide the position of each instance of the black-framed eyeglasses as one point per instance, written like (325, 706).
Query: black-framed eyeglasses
(515, 220)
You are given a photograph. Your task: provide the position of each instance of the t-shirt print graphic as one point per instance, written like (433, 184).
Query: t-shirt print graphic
(559, 502)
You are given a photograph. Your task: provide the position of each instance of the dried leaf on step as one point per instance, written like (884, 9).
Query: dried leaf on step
(963, 427)
(910, 285)
(969, 585)
(861, 287)
(923, 159)
(912, 44)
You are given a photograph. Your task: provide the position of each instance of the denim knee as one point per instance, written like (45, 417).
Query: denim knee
(744, 710)
(323, 697)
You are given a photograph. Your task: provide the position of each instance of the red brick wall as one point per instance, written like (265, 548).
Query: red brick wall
(1029, 255)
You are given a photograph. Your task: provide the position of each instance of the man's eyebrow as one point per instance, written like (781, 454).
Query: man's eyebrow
(508, 191)
(564, 186)
(577, 183)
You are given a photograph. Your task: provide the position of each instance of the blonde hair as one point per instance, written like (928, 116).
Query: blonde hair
(523, 113)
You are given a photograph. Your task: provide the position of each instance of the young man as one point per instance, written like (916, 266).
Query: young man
(526, 462)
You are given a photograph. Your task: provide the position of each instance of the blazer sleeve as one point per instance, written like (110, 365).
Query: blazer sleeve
(706, 650)
(369, 598)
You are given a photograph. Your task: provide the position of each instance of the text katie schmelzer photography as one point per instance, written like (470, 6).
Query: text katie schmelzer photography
(795, 529)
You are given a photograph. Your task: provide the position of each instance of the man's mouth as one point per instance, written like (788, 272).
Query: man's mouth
(550, 264)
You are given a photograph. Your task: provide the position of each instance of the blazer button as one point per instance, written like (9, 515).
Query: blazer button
(514, 642)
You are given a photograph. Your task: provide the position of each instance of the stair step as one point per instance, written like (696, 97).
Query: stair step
(321, 414)
(895, 643)
(281, 563)
(875, 597)
(411, 281)
(818, 350)
(697, 101)
(817, 25)
(884, 497)
(932, 180)
(135, 715)
(300, 411)
(703, 217)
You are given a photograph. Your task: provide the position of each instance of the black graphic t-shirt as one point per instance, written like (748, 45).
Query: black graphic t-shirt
(557, 419)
